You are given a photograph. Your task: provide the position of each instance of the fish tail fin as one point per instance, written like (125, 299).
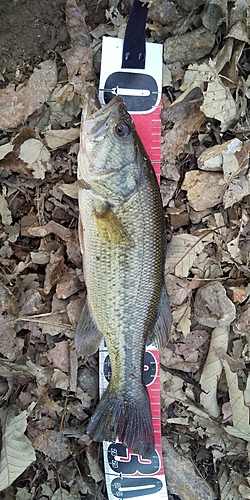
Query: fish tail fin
(128, 419)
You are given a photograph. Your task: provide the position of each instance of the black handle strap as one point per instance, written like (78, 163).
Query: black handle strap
(134, 48)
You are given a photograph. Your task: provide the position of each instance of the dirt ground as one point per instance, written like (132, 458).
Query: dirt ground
(31, 31)
(46, 52)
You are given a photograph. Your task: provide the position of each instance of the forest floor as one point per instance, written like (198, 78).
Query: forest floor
(49, 52)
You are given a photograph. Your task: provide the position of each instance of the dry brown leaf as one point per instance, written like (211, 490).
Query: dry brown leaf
(11, 346)
(12, 163)
(70, 190)
(100, 30)
(36, 156)
(52, 227)
(68, 285)
(238, 189)
(54, 271)
(240, 412)
(45, 403)
(17, 105)
(181, 254)
(59, 380)
(79, 60)
(39, 86)
(12, 106)
(76, 25)
(212, 370)
(242, 322)
(27, 221)
(17, 452)
(5, 149)
(238, 21)
(181, 318)
(189, 47)
(73, 249)
(5, 212)
(176, 139)
(57, 138)
(53, 444)
(59, 356)
(212, 158)
(218, 101)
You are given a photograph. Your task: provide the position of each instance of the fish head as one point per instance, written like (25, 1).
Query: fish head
(108, 154)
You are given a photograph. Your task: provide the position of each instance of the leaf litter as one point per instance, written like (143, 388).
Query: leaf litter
(47, 394)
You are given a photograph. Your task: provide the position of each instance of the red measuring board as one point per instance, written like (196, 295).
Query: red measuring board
(149, 130)
(127, 474)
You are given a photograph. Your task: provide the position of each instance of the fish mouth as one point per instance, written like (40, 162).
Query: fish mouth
(96, 124)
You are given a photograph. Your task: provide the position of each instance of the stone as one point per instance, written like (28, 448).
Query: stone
(212, 307)
(204, 189)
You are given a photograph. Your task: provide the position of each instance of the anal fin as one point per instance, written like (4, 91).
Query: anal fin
(87, 338)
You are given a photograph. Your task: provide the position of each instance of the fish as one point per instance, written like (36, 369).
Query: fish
(122, 239)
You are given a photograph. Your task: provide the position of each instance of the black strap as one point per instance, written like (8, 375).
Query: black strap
(134, 48)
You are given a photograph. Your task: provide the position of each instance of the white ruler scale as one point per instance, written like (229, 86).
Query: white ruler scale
(129, 475)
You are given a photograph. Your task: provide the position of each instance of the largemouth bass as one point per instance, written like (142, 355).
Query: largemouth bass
(123, 255)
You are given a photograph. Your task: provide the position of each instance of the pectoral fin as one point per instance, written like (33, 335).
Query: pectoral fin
(162, 326)
(87, 337)
(110, 227)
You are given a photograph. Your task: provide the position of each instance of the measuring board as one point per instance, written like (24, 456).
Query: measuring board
(129, 475)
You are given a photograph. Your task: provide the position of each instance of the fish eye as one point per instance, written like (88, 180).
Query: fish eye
(122, 129)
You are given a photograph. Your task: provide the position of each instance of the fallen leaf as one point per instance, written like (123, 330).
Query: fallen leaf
(68, 285)
(212, 158)
(94, 468)
(12, 106)
(54, 271)
(70, 190)
(17, 452)
(181, 253)
(238, 21)
(4, 149)
(189, 47)
(39, 86)
(53, 444)
(64, 105)
(76, 24)
(52, 227)
(59, 356)
(5, 211)
(57, 138)
(218, 102)
(17, 105)
(36, 156)
(212, 370)
(175, 140)
(182, 476)
(79, 60)
(241, 427)
(238, 189)
(62, 494)
(11, 346)
(60, 380)
(181, 318)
